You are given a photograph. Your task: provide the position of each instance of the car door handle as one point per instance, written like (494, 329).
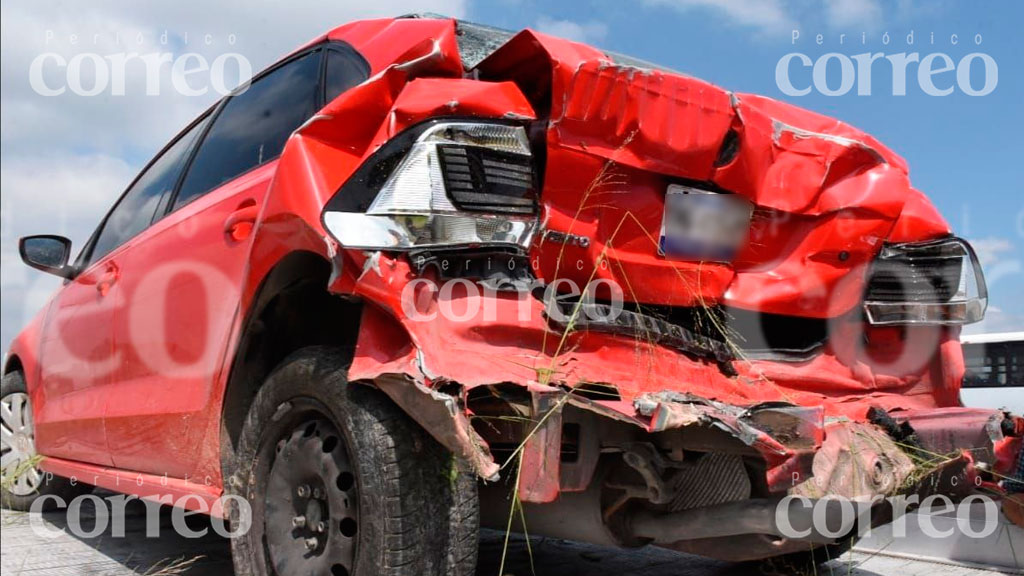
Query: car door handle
(239, 223)
(107, 279)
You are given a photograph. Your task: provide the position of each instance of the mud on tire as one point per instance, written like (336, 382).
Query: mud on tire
(409, 508)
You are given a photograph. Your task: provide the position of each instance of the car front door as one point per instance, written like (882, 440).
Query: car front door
(78, 357)
(76, 362)
(186, 275)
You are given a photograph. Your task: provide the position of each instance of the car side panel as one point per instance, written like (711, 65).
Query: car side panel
(77, 362)
(181, 301)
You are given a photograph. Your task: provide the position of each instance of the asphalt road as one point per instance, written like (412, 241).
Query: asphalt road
(25, 552)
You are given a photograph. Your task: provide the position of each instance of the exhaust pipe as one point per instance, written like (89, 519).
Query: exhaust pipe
(578, 516)
(755, 516)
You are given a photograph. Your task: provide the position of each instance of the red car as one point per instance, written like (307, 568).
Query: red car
(423, 274)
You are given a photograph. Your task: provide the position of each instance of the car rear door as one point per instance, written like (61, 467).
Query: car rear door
(186, 276)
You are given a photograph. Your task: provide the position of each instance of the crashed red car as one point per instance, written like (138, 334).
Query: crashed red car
(423, 274)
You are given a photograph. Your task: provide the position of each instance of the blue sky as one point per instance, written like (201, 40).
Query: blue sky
(64, 159)
(965, 152)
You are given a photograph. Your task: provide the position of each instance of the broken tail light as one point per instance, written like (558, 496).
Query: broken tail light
(935, 282)
(445, 184)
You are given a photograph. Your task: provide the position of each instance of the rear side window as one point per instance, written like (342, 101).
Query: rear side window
(135, 210)
(477, 41)
(253, 126)
(345, 69)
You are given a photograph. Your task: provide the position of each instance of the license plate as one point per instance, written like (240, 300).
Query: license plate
(703, 225)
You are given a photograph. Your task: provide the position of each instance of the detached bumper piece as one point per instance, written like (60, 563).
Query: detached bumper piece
(952, 451)
(685, 486)
(937, 282)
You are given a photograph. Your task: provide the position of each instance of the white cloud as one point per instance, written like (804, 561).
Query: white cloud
(765, 15)
(64, 159)
(1003, 269)
(1000, 262)
(853, 14)
(996, 321)
(989, 249)
(591, 31)
(59, 193)
(262, 33)
(777, 16)
(48, 192)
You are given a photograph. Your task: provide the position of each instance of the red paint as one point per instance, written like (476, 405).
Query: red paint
(196, 494)
(181, 287)
(616, 137)
(75, 361)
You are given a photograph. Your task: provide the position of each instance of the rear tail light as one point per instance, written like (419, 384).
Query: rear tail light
(486, 180)
(458, 184)
(936, 282)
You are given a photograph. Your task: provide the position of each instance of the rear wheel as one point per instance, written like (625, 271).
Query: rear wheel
(22, 480)
(340, 481)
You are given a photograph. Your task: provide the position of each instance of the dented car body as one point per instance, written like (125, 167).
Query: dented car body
(644, 307)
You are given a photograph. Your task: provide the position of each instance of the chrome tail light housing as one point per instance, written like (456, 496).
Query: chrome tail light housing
(934, 282)
(445, 183)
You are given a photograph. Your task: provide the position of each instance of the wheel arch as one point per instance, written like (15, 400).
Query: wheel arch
(291, 309)
(23, 353)
(13, 364)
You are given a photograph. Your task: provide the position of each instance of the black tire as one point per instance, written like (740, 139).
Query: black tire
(13, 383)
(417, 511)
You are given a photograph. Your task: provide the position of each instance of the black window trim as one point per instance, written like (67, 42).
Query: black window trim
(169, 208)
(321, 94)
(323, 47)
(163, 209)
(84, 259)
(341, 48)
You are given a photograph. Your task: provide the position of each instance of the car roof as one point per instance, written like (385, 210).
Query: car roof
(478, 41)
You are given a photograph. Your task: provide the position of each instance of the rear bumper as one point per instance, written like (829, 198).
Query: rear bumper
(956, 449)
(990, 439)
(862, 479)
(860, 474)
(789, 412)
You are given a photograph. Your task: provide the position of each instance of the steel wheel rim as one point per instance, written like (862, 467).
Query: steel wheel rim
(311, 515)
(18, 457)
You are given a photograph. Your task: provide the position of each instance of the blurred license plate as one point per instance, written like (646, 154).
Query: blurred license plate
(703, 225)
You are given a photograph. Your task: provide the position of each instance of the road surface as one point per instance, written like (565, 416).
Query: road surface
(25, 552)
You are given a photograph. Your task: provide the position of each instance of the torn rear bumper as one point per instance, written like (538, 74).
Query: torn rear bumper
(876, 471)
(798, 418)
(956, 449)
(829, 426)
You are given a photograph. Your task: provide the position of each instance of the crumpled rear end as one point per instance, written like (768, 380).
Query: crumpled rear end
(759, 372)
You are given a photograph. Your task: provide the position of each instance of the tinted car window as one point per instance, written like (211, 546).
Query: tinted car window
(134, 211)
(345, 69)
(253, 126)
(994, 364)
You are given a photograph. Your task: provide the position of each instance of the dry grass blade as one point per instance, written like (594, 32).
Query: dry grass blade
(11, 475)
(172, 567)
